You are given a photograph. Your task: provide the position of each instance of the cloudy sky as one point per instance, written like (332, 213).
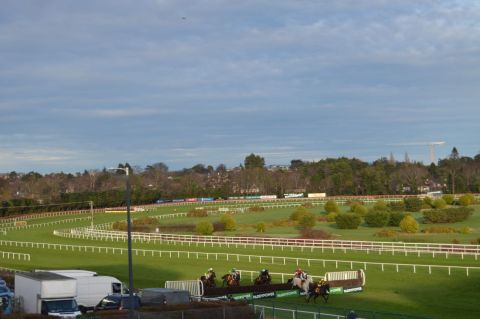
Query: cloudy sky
(87, 84)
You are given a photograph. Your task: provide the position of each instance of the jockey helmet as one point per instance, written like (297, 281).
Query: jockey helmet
(263, 270)
(210, 269)
(299, 269)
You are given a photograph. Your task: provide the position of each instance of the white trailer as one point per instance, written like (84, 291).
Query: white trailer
(47, 293)
(91, 288)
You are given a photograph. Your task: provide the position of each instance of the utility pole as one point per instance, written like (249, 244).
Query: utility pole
(91, 212)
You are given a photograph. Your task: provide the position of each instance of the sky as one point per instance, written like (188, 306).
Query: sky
(89, 84)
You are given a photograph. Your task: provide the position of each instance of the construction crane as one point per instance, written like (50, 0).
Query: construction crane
(431, 148)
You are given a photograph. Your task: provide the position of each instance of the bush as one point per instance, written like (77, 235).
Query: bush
(331, 217)
(380, 205)
(428, 202)
(438, 230)
(348, 221)
(386, 233)
(475, 241)
(447, 215)
(331, 207)
(256, 209)
(315, 234)
(298, 213)
(448, 198)
(307, 221)
(409, 225)
(397, 206)
(439, 203)
(354, 204)
(229, 222)
(466, 200)
(197, 213)
(360, 210)
(145, 221)
(413, 204)
(377, 219)
(261, 227)
(396, 218)
(204, 228)
(307, 205)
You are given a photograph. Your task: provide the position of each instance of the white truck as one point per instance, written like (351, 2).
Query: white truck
(91, 288)
(47, 293)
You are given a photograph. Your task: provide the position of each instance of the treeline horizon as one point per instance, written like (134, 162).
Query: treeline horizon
(333, 176)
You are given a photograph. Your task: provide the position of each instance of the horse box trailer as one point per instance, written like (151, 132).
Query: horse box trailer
(91, 288)
(47, 293)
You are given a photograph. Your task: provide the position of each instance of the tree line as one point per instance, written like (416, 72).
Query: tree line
(334, 176)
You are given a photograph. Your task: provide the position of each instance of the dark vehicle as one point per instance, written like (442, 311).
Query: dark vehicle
(117, 302)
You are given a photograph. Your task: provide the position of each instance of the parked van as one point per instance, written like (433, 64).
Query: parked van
(91, 287)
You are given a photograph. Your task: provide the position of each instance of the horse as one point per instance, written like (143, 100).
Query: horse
(208, 282)
(263, 280)
(301, 284)
(230, 281)
(316, 290)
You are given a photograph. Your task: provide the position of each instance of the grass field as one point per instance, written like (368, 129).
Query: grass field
(437, 295)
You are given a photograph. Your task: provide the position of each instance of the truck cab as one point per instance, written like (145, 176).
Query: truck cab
(65, 308)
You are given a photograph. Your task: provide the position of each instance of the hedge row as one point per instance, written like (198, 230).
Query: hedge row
(447, 215)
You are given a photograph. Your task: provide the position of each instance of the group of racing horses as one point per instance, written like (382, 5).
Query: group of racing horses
(302, 281)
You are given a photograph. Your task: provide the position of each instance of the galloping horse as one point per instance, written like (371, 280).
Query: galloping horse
(315, 290)
(263, 280)
(210, 281)
(301, 284)
(230, 281)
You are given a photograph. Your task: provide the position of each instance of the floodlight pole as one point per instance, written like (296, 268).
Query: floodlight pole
(91, 212)
(129, 241)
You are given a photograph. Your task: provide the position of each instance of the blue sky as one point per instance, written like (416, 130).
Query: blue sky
(87, 84)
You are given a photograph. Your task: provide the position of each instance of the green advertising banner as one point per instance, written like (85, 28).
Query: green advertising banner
(245, 296)
(286, 293)
(336, 290)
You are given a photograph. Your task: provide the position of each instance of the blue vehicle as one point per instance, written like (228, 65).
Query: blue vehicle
(6, 299)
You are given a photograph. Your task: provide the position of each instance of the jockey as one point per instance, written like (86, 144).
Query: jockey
(209, 273)
(235, 274)
(299, 273)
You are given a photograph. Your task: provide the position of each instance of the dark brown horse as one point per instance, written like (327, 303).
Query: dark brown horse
(316, 289)
(263, 280)
(209, 282)
(230, 281)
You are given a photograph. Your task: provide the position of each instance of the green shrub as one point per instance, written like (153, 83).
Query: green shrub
(348, 221)
(439, 203)
(386, 233)
(307, 221)
(448, 198)
(428, 202)
(396, 218)
(475, 241)
(331, 207)
(466, 200)
(447, 215)
(260, 227)
(353, 204)
(197, 213)
(438, 230)
(229, 222)
(331, 217)
(256, 209)
(360, 210)
(377, 219)
(204, 228)
(298, 213)
(397, 206)
(409, 225)
(413, 204)
(380, 205)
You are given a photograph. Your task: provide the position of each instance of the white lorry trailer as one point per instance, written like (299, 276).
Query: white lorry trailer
(47, 293)
(91, 288)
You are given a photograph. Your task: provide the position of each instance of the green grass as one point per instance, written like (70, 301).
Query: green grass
(436, 295)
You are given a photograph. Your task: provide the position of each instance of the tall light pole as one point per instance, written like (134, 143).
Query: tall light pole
(129, 240)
